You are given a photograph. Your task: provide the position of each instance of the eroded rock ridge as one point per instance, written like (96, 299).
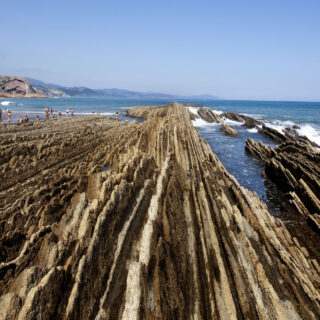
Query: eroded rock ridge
(102, 220)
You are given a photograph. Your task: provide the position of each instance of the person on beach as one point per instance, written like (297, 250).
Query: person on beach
(37, 122)
(9, 115)
(46, 111)
(0, 114)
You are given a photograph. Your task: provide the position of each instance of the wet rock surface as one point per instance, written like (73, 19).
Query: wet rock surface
(209, 116)
(102, 220)
(228, 130)
(295, 167)
(247, 121)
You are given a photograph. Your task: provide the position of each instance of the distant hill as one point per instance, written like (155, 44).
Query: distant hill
(25, 87)
(89, 92)
(11, 87)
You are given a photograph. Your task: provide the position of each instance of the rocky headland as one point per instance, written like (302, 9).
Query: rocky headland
(106, 220)
(17, 87)
(294, 165)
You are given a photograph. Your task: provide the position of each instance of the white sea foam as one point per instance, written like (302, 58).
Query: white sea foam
(7, 103)
(310, 132)
(193, 110)
(253, 130)
(106, 113)
(307, 130)
(94, 113)
(27, 112)
(232, 122)
(285, 124)
(279, 128)
(218, 112)
(253, 115)
(202, 123)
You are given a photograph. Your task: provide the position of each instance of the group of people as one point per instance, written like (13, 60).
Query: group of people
(6, 116)
(50, 113)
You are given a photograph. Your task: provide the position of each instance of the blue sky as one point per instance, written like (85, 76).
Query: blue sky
(232, 49)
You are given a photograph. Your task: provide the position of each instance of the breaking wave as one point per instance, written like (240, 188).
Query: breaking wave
(310, 132)
(306, 129)
(7, 103)
(193, 110)
(202, 123)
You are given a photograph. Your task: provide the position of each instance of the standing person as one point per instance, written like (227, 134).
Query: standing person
(37, 123)
(46, 111)
(9, 114)
(0, 114)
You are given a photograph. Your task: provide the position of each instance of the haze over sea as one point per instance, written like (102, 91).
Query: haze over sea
(246, 169)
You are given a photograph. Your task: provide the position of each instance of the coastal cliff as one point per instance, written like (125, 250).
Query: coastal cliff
(105, 220)
(17, 87)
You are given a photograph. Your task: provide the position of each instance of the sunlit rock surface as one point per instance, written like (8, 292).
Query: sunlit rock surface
(103, 220)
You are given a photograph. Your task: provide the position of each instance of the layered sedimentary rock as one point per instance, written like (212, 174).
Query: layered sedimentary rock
(259, 150)
(209, 116)
(295, 167)
(139, 221)
(228, 130)
(11, 87)
(246, 120)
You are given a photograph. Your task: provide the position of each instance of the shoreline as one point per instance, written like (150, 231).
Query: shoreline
(113, 213)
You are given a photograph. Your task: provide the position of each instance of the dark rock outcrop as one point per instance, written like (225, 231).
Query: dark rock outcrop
(208, 115)
(228, 130)
(101, 220)
(247, 121)
(294, 166)
(259, 150)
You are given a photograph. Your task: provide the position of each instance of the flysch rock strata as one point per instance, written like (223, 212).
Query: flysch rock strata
(103, 220)
(294, 166)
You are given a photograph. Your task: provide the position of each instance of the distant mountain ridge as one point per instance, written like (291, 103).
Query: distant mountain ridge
(111, 93)
(40, 88)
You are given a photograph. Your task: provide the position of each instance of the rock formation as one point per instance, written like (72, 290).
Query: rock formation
(294, 166)
(259, 150)
(228, 130)
(208, 115)
(102, 220)
(12, 87)
(246, 120)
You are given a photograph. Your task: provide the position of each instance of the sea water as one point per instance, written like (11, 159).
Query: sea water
(230, 150)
